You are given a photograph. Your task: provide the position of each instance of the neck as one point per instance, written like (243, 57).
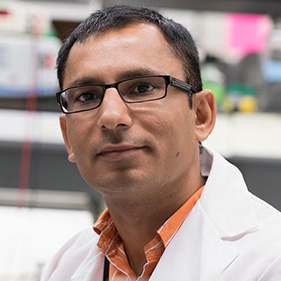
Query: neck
(137, 219)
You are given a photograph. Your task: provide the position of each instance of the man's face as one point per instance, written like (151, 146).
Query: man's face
(136, 148)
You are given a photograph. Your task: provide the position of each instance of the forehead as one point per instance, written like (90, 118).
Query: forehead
(107, 56)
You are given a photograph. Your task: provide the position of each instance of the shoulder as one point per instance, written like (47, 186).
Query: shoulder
(260, 248)
(71, 255)
(268, 228)
(241, 221)
(268, 231)
(273, 271)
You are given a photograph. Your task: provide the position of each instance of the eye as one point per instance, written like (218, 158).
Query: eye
(88, 96)
(142, 87)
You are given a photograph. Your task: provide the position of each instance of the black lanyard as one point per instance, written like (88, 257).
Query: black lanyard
(106, 269)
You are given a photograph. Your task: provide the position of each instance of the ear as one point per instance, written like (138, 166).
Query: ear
(63, 126)
(205, 113)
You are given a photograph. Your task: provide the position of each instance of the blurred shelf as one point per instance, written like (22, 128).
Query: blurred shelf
(64, 10)
(272, 7)
(43, 103)
(256, 135)
(45, 199)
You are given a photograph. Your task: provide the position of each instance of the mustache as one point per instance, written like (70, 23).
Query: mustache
(120, 137)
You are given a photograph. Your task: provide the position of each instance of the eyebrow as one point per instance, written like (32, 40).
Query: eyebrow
(90, 80)
(139, 72)
(83, 81)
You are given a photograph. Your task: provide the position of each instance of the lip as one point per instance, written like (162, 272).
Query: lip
(118, 151)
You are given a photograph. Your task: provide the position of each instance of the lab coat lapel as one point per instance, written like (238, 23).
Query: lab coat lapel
(195, 253)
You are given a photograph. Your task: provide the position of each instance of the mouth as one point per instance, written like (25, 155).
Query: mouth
(116, 152)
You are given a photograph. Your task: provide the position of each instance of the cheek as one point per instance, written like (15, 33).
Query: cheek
(181, 132)
(81, 132)
(83, 148)
(171, 129)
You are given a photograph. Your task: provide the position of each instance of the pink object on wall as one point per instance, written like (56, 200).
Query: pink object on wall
(247, 33)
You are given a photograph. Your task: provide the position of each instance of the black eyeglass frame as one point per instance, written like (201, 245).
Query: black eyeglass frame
(169, 80)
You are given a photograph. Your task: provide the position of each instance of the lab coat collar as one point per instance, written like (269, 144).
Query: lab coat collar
(225, 197)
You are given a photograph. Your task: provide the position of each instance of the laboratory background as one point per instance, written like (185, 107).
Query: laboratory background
(43, 199)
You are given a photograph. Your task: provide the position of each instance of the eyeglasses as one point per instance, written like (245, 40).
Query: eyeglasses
(135, 90)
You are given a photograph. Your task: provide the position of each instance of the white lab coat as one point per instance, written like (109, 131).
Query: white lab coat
(230, 235)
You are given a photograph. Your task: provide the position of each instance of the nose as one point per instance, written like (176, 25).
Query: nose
(113, 112)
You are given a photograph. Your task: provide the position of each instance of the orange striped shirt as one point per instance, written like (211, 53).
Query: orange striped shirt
(112, 246)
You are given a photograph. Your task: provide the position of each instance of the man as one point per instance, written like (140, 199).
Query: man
(135, 117)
